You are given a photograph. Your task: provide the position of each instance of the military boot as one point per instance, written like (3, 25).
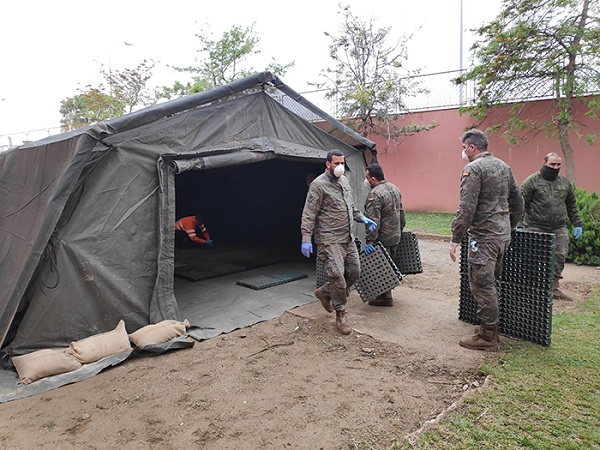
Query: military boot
(382, 300)
(478, 328)
(341, 320)
(557, 294)
(486, 339)
(325, 299)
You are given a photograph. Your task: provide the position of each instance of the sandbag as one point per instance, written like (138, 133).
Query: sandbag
(159, 332)
(94, 348)
(43, 363)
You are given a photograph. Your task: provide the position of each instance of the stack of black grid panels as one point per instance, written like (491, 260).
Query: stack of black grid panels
(378, 273)
(524, 289)
(408, 258)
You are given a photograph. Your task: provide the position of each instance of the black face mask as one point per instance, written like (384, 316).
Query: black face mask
(548, 173)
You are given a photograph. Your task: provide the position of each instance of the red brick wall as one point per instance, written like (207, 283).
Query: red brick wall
(427, 166)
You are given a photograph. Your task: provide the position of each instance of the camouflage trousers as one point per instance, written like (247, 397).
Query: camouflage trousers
(485, 267)
(342, 268)
(561, 241)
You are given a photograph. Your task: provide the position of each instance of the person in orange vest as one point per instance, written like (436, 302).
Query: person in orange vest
(193, 226)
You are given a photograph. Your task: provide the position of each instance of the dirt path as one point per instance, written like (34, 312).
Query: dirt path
(292, 382)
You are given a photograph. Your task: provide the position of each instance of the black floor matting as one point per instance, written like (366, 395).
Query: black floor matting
(408, 257)
(378, 274)
(273, 279)
(524, 289)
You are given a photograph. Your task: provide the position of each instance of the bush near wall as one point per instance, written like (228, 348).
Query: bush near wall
(586, 249)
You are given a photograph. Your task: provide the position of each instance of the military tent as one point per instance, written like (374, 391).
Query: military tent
(87, 217)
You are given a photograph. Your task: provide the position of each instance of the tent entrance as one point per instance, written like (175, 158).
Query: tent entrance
(252, 212)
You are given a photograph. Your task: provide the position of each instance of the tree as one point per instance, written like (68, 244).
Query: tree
(222, 61)
(89, 107)
(538, 49)
(130, 85)
(368, 79)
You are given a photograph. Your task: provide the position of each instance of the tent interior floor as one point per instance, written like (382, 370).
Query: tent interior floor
(216, 304)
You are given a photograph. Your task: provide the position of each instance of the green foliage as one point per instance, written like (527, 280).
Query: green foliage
(127, 89)
(586, 249)
(368, 79)
(130, 85)
(536, 49)
(89, 107)
(539, 398)
(222, 61)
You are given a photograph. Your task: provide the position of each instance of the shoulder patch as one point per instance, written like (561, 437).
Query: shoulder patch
(371, 199)
(465, 174)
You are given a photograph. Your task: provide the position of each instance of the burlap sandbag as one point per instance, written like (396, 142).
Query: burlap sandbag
(159, 332)
(43, 363)
(101, 345)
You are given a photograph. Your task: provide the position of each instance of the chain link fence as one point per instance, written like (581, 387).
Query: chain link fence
(426, 92)
(430, 91)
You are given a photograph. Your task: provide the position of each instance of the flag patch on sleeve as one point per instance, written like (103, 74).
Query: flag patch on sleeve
(465, 174)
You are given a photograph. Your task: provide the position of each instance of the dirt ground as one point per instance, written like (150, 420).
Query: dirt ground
(292, 382)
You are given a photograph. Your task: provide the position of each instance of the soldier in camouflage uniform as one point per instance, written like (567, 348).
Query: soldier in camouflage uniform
(384, 206)
(490, 206)
(328, 213)
(549, 202)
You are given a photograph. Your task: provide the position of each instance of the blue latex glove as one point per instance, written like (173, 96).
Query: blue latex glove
(306, 249)
(210, 243)
(369, 249)
(577, 231)
(519, 228)
(369, 223)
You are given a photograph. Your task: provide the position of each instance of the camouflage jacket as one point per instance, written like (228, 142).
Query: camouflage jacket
(549, 203)
(384, 207)
(490, 202)
(328, 210)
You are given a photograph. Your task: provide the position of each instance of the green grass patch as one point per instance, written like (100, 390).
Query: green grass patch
(540, 398)
(431, 223)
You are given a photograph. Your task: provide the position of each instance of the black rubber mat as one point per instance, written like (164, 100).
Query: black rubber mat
(524, 289)
(378, 274)
(408, 257)
(266, 281)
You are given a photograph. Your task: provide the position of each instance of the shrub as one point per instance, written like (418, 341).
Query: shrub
(586, 249)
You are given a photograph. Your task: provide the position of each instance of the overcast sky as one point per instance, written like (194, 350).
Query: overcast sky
(50, 48)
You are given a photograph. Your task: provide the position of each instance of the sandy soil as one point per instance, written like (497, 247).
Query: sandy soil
(292, 382)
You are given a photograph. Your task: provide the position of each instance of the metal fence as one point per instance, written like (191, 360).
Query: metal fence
(429, 92)
(8, 141)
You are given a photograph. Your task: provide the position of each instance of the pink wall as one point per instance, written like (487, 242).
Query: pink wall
(427, 166)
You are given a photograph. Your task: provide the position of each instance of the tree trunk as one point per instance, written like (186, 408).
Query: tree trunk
(565, 145)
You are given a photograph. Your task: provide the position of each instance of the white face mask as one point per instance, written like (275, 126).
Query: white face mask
(464, 156)
(339, 170)
(366, 183)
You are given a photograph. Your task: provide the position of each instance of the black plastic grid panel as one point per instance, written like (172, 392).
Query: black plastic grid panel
(320, 272)
(378, 273)
(275, 279)
(524, 289)
(408, 257)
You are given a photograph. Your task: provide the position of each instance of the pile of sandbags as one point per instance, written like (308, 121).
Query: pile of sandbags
(47, 362)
